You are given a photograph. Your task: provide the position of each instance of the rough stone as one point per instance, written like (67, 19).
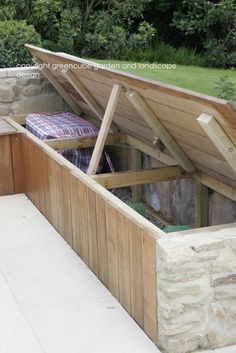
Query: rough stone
(41, 103)
(225, 293)
(175, 292)
(203, 245)
(221, 281)
(186, 276)
(6, 94)
(5, 109)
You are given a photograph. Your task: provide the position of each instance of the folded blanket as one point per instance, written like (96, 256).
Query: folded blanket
(65, 125)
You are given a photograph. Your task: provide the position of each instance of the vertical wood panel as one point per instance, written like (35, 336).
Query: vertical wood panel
(102, 240)
(136, 242)
(83, 222)
(17, 163)
(124, 262)
(92, 231)
(76, 225)
(149, 286)
(113, 270)
(67, 215)
(25, 144)
(6, 174)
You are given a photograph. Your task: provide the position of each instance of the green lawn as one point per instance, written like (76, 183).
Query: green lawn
(191, 77)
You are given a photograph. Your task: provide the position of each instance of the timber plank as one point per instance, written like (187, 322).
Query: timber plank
(124, 262)
(149, 258)
(112, 249)
(6, 173)
(102, 240)
(17, 164)
(136, 272)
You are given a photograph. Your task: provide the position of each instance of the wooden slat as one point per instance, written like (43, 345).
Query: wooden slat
(102, 240)
(150, 151)
(124, 262)
(92, 231)
(136, 163)
(201, 205)
(216, 185)
(136, 272)
(76, 226)
(17, 163)
(105, 127)
(139, 177)
(112, 244)
(219, 138)
(6, 174)
(160, 130)
(84, 93)
(83, 141)
(149, 259)
(66, 206)
(58, 87)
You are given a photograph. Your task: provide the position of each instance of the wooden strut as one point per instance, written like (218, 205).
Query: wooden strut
(86, 95)
(58, 87)
(138, 177)
(219, 138)
(152, 120)
(83, 141)
(104, 130)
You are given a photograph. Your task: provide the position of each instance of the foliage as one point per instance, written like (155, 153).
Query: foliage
(214, 22)
(225, 88)
(13, 36)
(161, 52)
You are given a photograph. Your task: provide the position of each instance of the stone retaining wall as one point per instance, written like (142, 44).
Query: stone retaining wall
(196, 276)
(26, 90)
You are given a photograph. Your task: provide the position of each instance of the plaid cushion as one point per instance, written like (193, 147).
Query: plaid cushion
(64, 125)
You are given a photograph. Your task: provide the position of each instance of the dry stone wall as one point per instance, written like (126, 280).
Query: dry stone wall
(26, 90)
(196, 276)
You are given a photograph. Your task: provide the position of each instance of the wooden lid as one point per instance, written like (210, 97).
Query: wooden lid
(175, 108)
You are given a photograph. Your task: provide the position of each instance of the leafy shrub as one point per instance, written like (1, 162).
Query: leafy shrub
(13, 36)
(225, 88)
(165, 53)
(110, 41)
(218, 54)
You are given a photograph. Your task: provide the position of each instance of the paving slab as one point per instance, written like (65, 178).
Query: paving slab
(52, 302)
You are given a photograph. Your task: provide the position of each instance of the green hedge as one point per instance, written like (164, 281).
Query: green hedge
(13, 36)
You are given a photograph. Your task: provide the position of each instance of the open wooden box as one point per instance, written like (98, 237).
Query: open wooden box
(192, 134)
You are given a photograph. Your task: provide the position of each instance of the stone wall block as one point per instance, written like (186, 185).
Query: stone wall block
(6, 93)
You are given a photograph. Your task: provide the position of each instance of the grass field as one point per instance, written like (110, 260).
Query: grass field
(198, 79)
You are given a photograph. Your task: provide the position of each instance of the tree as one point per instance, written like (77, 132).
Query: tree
(215, 24)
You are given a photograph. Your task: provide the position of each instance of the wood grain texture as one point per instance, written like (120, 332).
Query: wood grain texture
(17, 163)
(177, 109)
(112, 240)
(6, 173)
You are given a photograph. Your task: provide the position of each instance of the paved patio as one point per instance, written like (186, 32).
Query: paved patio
(50, 302)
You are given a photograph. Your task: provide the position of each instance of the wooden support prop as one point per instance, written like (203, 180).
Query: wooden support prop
(136, 163)
(83, 141)
(150, 151)
(139, 177)
(216, 185)
(160, 130)
(105, 127)
(58, 87)
(217, 135)
(201, 205)
(84, 93)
